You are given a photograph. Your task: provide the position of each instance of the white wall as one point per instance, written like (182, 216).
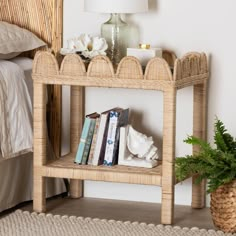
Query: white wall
(182, 26)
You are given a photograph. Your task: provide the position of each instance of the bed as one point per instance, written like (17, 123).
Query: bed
(44, 19)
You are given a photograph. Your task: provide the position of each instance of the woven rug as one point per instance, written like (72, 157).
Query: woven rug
(24, 223)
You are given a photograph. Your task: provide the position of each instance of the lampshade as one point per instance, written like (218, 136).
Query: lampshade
(116, 6)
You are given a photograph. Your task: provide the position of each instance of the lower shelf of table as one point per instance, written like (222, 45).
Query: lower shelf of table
(65, 168)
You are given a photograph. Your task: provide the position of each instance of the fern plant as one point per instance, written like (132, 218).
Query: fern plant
(217, 164)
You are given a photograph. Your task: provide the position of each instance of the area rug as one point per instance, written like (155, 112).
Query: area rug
(24, 223)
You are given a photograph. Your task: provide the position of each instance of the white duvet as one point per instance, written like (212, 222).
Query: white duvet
(16, 132)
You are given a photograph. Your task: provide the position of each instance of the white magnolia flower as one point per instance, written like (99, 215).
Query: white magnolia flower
(88, 46)
(71, 43)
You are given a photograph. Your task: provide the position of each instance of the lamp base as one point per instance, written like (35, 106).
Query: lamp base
(115, 31)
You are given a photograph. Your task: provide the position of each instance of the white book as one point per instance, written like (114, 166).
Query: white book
(99, 150)
(123, 150)
(94, 140)
(117, 118)
(111, 136)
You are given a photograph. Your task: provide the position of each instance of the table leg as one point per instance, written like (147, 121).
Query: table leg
(168, 162)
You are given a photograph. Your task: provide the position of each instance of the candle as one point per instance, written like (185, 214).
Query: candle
(144, 46)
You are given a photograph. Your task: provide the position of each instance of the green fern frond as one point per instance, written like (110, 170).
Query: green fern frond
(223, 140)
(204, 146)
(218, 165)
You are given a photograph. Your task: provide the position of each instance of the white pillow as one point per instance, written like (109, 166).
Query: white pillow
(9, 55)
(15, 40)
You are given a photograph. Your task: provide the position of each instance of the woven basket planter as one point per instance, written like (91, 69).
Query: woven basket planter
(223, 207)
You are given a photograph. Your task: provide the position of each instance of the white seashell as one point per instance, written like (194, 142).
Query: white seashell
(141, 145)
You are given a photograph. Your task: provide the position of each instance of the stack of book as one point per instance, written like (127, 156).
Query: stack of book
(99, 142)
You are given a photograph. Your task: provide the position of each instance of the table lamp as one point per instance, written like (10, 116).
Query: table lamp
(115, 30)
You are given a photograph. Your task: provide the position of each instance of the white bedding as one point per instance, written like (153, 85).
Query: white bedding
(16, 132)
(26, 65)
(16, 174)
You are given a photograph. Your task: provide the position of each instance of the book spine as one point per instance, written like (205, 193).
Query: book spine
(123, 150)
(88, 142)
(100, 138)
(122, 121)
(111, 136)
(116, 147)
(103, 147)
(79, 155)
(94, 140)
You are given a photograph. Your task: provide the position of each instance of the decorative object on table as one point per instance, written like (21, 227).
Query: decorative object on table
(218, 165)
(144, 53)
(136, 149)
(115, 30)
(86, 45)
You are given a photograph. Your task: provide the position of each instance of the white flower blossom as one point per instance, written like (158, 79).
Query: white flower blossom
(88, 46)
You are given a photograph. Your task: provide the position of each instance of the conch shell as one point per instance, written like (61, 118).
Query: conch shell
(140, 145)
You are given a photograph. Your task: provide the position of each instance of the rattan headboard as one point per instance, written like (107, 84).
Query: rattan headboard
(42, 17)
(45, 19)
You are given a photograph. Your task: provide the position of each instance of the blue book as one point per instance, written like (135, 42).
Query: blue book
(88, 142)
(117, 118)
(86, 138)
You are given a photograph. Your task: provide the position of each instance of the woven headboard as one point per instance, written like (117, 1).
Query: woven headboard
(45, 19)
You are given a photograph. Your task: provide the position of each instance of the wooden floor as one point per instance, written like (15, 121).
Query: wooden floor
(185, 216)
